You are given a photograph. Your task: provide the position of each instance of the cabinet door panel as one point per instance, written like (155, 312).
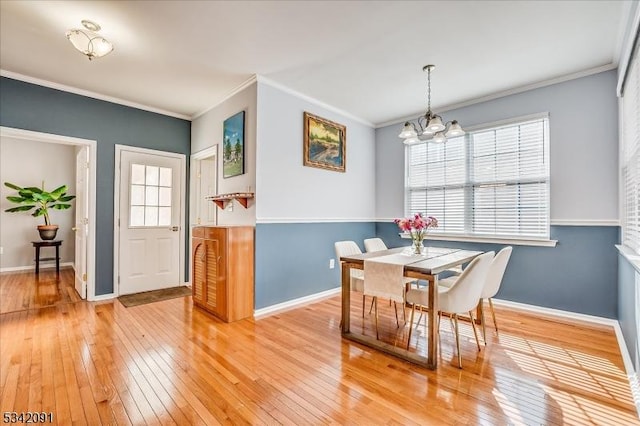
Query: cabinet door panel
(199, 271)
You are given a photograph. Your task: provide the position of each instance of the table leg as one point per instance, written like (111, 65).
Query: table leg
(58, 259)
(346, 297)
(37, 260)
(432, 354)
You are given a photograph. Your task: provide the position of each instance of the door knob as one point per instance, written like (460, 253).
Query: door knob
(175, 228)
(74, 229)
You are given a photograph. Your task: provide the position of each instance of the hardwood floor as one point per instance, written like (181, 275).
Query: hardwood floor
(167, 363)
(25, 290)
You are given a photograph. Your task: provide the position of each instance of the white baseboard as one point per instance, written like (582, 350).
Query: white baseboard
(634, 382)
(632, 376)
(295, 303)
(556, 312)
(43, 265)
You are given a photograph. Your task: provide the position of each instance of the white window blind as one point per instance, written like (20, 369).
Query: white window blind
(492, 182)
(631, 156)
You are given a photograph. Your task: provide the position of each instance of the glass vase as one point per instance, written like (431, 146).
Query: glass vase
(417, 246)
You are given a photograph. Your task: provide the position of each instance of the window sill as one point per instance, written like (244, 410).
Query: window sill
(630, 255)
(470, 239)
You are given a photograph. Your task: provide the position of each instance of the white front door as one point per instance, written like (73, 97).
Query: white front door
(149, 222)
(82, 220)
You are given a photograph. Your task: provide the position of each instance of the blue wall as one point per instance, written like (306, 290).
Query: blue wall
(41, 109)
(578, 275)
(292, 259)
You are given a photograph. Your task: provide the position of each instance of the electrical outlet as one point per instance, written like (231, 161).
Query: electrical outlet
(230, 206)
(1, 250)
(332, 263)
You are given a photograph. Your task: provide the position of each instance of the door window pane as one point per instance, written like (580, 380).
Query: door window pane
(152, 175)
(150, 187)
(165, 197)
(164, 216)
(165, 176)
(150, 216)
(151, 198)
(137, 174)
(137, 195)
(137, 216)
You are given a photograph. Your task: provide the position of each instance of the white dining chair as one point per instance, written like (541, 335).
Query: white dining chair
(461, 298)
(374, 244)
(346, 248)
(491, 285)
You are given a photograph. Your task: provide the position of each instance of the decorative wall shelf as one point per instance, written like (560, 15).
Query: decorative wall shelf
(242, 197)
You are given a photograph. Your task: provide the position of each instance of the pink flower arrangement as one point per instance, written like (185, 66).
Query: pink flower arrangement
(417, 226)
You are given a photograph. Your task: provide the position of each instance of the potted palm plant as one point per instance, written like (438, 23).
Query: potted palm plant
(37, 198)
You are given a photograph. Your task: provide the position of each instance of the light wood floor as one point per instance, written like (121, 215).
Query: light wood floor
(167, 363)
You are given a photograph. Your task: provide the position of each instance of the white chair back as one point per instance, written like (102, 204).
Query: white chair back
(496, 272)
(464, 295)
(374, 244)
(346, 248)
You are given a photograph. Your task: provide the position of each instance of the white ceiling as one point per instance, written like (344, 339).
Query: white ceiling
(365, 58)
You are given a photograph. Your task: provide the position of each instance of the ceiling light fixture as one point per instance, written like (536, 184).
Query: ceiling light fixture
(88, 41)
(430, 126)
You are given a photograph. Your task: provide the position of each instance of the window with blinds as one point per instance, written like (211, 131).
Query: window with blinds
(491, 182)
(630, 178)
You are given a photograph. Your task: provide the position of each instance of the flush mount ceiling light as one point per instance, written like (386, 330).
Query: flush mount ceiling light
(88, 41)
(430, 126)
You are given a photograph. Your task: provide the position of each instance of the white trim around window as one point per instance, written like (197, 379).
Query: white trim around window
(491, 184)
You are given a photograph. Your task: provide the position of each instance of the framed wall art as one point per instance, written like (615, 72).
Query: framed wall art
(233, 146)
(325, 143)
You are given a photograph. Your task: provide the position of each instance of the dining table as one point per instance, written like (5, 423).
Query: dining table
(426, 266)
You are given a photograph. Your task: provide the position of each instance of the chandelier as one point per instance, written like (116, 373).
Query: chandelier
(88, 41)
(430, 126)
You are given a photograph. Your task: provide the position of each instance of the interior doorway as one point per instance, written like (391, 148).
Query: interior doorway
(86, 286)
(204, 183)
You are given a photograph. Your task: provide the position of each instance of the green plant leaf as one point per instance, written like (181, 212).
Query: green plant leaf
(34, 189)
(17, 199)
(19, 209)
(60, 206)
(12, 186)
(38, 212)
(65, 198)
(58, 192)
(26, 194)
(38, 197)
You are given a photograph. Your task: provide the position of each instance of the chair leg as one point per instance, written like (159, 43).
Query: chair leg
(482, 320)
(395, 308)
(371, 307)
(475, 332)
(413, 309)
(363, 303)
(493, 314)
(455, 319)
(375, 300)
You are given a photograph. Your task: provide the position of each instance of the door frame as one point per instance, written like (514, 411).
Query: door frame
(209, 152)
(116, 208)
(92, 145)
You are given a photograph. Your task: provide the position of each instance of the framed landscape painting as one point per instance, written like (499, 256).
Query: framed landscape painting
(233, 146)
(325, 143)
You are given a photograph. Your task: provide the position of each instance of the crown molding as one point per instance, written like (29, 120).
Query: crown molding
(248, 82)
(264, 80)
(508, 92)
(89, 94)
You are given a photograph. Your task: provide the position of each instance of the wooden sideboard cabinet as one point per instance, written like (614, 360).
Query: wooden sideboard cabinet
(223, 277)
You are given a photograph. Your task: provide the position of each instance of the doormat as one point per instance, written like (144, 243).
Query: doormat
(136, 299)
